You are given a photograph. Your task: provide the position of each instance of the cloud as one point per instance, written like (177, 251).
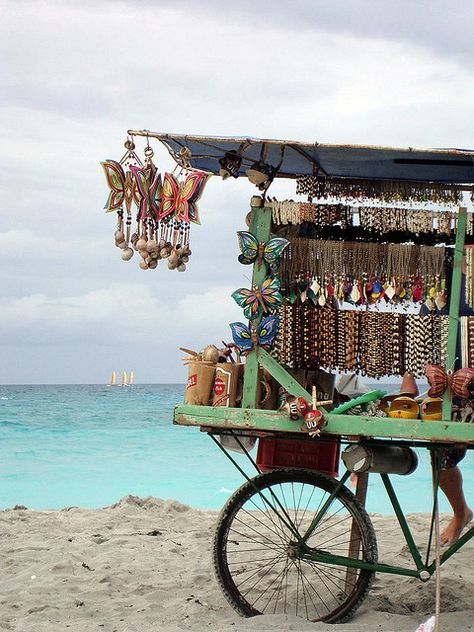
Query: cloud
(77, 75)
(424, 23)
(109, 327)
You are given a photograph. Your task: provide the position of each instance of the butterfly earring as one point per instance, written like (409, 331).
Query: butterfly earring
(246, 338)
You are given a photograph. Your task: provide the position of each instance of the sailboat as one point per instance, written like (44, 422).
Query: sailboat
(124, 379)
(113, 378)
(130, 378)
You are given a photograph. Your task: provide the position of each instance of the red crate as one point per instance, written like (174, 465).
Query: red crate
(278, 453)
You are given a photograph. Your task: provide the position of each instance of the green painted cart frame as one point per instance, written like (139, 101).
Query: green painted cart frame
(346, 578)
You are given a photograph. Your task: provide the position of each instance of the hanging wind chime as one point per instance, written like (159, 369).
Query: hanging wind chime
(123, 193)
(165, 208)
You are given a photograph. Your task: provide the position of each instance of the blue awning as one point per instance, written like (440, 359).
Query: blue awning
(352, 161)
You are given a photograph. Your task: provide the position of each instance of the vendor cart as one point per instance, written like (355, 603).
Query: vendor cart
(294, 539)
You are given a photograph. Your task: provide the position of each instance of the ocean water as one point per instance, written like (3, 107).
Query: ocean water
(89, 445)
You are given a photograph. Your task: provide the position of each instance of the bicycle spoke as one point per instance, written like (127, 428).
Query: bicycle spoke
(281, 557)
(321, 573)
(267, 588)
(303, 576)
(264, 525)
(281, 583)
(307, 505)
(255, 531)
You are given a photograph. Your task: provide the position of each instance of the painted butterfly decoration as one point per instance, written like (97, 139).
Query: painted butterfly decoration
(253, 250)
(245, 338)
(180, 198)
(123, 189)
(148, 183)
(260, 298)
(461, 382)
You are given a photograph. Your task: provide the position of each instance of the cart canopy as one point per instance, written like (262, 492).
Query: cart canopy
(351, 161)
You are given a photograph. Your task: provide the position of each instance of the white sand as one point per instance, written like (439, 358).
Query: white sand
(84, 570)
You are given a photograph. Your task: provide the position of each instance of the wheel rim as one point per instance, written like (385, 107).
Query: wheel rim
(262, 564)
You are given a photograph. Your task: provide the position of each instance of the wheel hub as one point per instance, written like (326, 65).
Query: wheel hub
(292, 549)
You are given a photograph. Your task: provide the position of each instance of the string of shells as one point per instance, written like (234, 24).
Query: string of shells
(153, 250)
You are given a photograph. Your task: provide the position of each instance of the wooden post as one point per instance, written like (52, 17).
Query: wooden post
(260, 226)
(456, 283)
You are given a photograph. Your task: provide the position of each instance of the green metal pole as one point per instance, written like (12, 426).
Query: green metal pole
(402, 522)
(260, 226)
(456, 284)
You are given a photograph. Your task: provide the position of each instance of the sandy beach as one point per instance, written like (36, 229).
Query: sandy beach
(145, 565)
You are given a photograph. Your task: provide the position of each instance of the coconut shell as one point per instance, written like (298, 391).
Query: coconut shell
(210, 353)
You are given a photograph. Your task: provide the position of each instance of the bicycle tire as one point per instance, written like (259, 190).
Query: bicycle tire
(257, 524)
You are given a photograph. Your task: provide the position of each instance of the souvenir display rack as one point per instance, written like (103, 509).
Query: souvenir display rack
(328, 169)
(356, 173)
(251, 419)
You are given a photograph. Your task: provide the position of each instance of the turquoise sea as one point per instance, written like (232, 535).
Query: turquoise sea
(89, 445)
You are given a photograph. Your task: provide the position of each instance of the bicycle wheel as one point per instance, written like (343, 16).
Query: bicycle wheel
(255, 551)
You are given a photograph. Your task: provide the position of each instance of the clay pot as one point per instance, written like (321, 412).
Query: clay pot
(408, 386)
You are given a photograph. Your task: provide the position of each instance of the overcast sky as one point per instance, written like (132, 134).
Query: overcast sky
(76, 75)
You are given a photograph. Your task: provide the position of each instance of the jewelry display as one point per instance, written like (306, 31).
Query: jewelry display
(373, 220)
(374, 344)
(469, 277)
(387, 191)
(363, 273)
(467, 341)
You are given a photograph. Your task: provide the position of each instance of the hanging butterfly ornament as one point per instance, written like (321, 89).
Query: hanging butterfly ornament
(123, 194)
(149, 186)
(460, 382)
(165, 207)
(262, 335)
(178, 209)
(260, 299)
(253, 250)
